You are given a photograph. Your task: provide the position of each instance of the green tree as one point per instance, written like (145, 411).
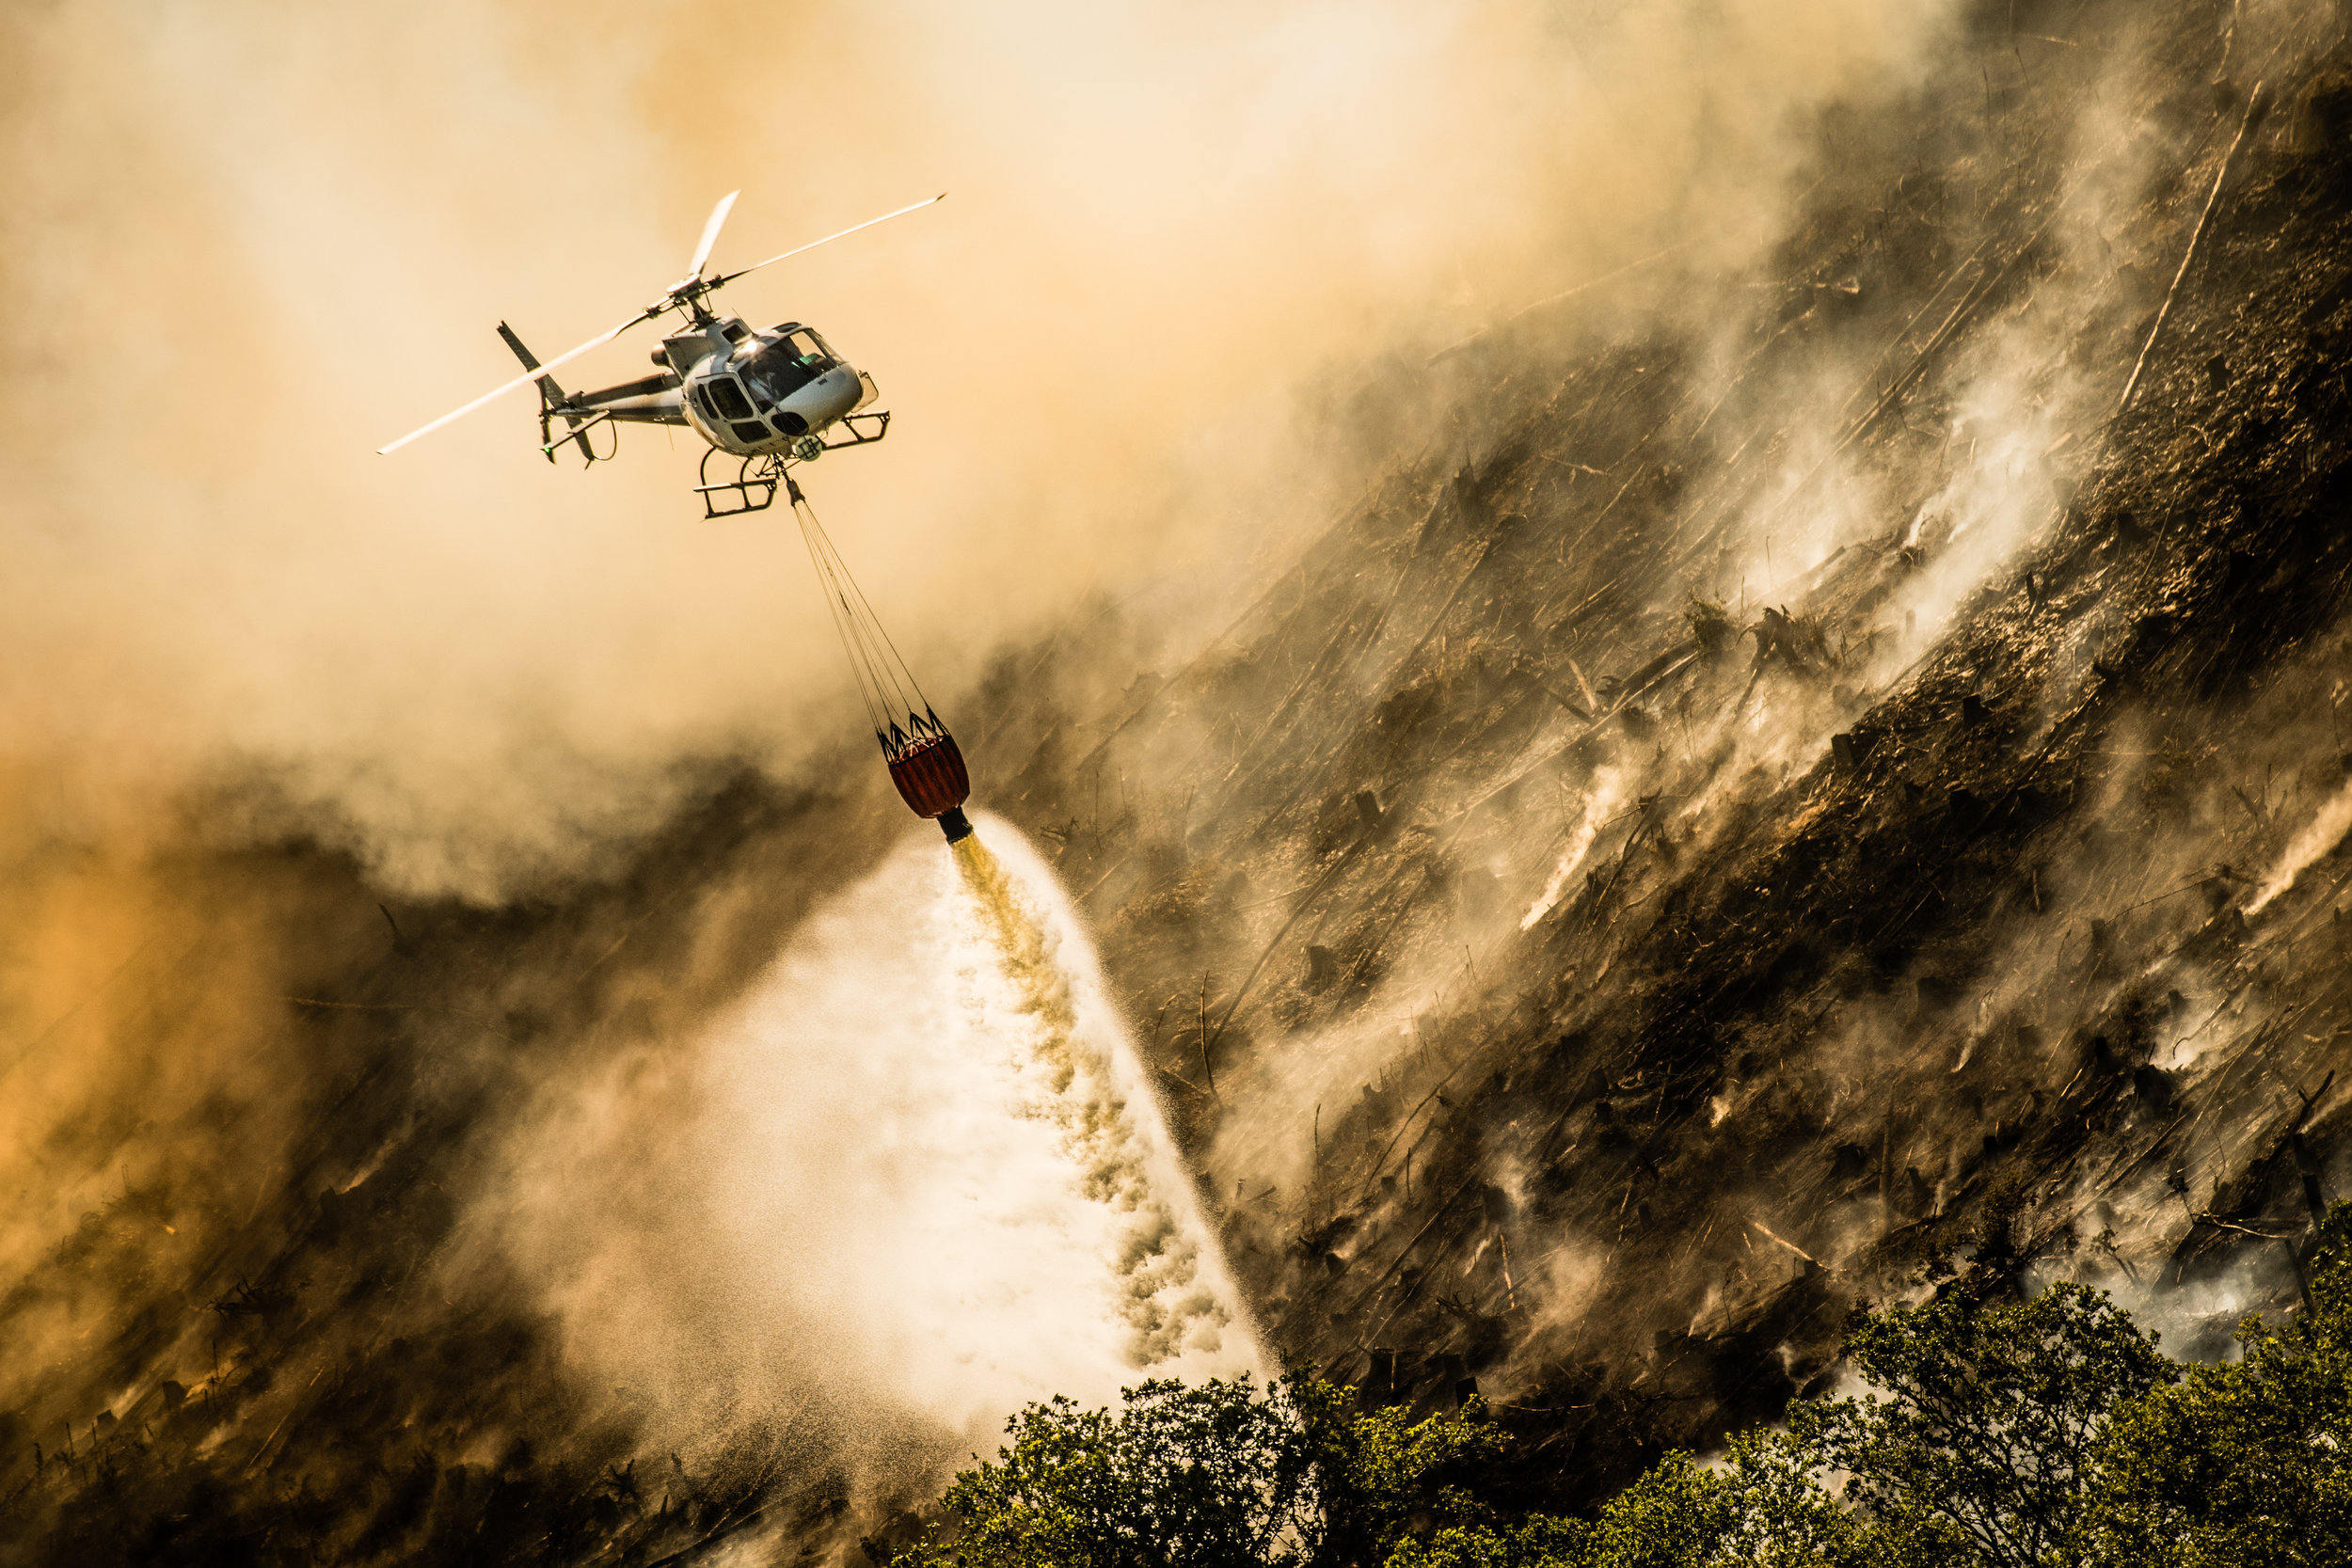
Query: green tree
(2048, 1432)
(1981, 1442)
(1762, 1506)
(2247, 1464)
(1535, 1542)
(1211, 1476)
(1388, 1480)
(1220, 1476)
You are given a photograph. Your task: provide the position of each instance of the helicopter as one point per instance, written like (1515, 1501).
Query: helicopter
(763, 400)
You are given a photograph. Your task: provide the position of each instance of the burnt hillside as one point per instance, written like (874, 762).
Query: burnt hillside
(1919, 899)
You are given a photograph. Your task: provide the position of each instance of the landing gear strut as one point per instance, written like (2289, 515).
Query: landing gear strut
(752, 489)
(753, 486)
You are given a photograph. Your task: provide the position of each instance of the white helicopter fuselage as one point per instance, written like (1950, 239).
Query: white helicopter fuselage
(761, 393)
(768, 398)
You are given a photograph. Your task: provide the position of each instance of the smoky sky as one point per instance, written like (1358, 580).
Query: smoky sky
(247, 248)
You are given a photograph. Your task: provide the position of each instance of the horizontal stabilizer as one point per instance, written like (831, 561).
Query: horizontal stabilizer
(550, 399)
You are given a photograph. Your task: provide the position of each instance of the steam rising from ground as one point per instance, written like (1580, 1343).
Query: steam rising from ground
(2319, 838)
(1601, 804)
(917, 1176)
(2010, 424)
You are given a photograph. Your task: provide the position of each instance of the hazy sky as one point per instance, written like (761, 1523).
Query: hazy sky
(248, 246)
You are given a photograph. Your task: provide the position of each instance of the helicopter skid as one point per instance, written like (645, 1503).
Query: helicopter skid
(753, 486)
(858, 430)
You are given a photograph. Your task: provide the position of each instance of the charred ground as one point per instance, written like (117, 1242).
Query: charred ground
(1963, 960)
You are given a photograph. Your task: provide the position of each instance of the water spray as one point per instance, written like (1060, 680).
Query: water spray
(924, 762)
(1174, 1298)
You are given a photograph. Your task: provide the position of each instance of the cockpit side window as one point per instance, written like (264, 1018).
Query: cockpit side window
(729, 397)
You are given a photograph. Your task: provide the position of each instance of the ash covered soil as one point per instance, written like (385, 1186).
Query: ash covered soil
(1740, 813)
(1676, 956)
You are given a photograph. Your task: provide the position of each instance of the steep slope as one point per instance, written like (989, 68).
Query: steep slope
(1590, 959)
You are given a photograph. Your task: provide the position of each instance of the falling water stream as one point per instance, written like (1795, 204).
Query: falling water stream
(1078, 1073)
(918, 1170)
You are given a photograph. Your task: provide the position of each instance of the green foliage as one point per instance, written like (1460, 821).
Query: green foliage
(1710, 626)
(1219, 1476)
(1983, 1447)
(1761, 1508)
(1384, 1475)
(1776, 1515)
(2048, 1432)
(1675, 1516)
(1209, 1476)
(2247, 1464)
(1537, 1542)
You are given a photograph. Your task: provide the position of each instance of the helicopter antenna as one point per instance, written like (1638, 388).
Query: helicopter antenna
(685, 294)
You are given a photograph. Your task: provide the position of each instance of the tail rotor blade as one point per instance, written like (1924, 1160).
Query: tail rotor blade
(911, 207)
(525, 379)
(711, 232)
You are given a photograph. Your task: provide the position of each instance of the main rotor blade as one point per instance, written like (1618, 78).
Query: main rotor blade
(527, 377)
(731, 276)
(711, 232)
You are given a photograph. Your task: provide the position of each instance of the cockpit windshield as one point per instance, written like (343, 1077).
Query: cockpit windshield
(787, 365)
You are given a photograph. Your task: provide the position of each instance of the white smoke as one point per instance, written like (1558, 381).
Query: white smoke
(1600, 802)
(916, 1173)
(2319, 837)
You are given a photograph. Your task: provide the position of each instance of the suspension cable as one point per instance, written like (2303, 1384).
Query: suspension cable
(884, 683)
